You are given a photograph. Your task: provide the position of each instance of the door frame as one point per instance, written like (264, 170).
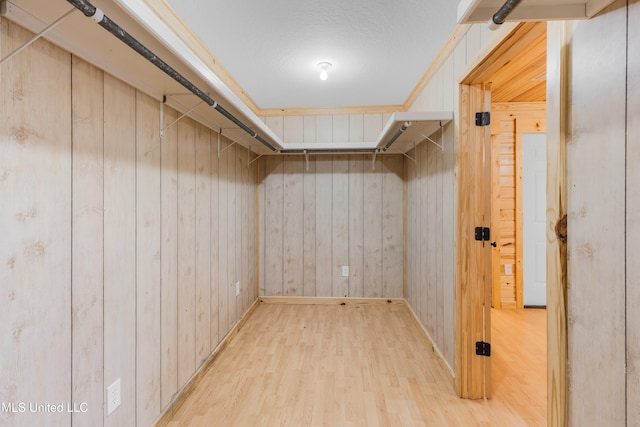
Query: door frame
(469, 377)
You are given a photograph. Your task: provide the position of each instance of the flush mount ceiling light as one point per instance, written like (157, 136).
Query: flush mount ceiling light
(324, 68)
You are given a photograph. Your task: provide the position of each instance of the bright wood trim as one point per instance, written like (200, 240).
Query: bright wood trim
(496, 298)
(445, 52)
(330, 300)
(182, 30)
(186, 391)
(557, 350)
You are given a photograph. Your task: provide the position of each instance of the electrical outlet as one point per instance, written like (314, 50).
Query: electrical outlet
(237, 288)
(508, 270)
(113, 396)
(345, 271)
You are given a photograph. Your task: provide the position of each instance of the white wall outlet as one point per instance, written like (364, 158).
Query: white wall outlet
(113, 396)
(345, 271)
(237, 288)
(508, 270)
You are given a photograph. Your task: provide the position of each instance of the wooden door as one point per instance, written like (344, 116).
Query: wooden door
(473, 371)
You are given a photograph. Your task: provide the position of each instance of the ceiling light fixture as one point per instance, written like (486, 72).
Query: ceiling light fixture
(324, 68)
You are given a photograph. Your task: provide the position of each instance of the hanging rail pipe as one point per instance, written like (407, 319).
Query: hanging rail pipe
(98, 16)
(404, 127)
(499, 17)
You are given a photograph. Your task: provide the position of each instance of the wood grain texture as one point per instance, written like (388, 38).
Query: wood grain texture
(274, 217)
(557, 91)
(35, 189)
(148, 269)
(309, 228)
(87, 273)
(120, 249)
(215, 244)
(186, 250)
(223, 236)
(356, 225)
(202, 306)
(633, 214)
(169, 260)
(323, 237)
(324, 380)
(596, 172)
(339, 224)
(232, 241)
(373, 261)
(392, 223)
(293, 226)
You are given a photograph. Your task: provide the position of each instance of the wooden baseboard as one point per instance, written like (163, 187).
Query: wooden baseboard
(186, 391)
(436, 350)
(329, 301)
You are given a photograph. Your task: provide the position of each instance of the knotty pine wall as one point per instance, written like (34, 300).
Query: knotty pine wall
(603, 289)
(120, 252)
(340, 212)
(506, 170)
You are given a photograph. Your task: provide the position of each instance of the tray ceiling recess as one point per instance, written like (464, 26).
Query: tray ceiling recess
(475, 11)
(145, 53)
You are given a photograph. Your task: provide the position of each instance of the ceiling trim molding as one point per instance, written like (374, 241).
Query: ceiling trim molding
(319, 111)
(166, 13)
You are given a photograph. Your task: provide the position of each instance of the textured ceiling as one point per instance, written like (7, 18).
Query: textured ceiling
(379, 48)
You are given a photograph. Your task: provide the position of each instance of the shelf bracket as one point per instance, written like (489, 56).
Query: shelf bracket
(225, 148)
(178, 119)
(249, 157)
(440, 146)
(409, 157)
(306, 160)
(37, 36)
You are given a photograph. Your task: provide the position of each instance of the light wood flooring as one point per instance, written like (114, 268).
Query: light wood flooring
(351, 365)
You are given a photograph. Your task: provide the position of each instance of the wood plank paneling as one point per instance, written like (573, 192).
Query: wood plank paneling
(223, 236)
(186, 249)
(35, 189)
(392, 219)
(215, 247)
(356, 225)
(373, 226)
(309, 228)
(148, 348)
(633, 213)
(203, 244)
(111, 210)
(557, 375)
(274, 217)
(333, 216)
(293, 225)
(596, 313)
(324, 209)
(169, 259)
(340, 225)
(87, 274)
(120, 250)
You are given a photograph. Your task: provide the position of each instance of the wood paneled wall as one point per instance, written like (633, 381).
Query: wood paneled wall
(338, 213)
(113, 239)
(506, 171)
(323, 128)
(633, 213)
(597, 194)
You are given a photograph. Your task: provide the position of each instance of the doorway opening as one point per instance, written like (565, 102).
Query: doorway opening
(494, 191)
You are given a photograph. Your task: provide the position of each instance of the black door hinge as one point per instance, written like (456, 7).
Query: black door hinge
(483, 348)
(483, 118)
(483, 234)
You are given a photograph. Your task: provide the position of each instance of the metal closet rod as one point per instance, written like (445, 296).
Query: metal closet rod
(502, 13)
(404, 127)
(98, 16)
